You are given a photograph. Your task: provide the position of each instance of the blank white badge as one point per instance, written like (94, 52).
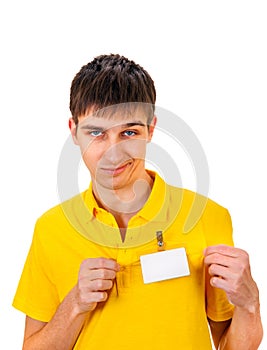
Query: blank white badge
(164, 265)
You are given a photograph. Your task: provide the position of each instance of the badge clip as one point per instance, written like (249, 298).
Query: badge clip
(160, 240)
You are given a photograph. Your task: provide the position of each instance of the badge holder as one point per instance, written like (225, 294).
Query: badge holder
(160, 241)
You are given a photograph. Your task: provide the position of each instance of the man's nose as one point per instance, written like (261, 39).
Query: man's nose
(114, 150)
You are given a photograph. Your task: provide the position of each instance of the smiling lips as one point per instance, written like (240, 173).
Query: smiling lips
(115, 171)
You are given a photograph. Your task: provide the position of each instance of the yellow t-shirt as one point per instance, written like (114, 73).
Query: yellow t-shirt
(170, 314)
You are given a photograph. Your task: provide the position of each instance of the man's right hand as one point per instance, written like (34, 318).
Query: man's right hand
(96, 277)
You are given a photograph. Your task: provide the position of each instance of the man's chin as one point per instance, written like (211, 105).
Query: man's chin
(111, 183)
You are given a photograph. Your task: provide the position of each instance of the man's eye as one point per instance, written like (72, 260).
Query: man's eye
(129, 133)
(96, 133)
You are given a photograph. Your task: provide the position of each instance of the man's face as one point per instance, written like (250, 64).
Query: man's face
(113, 147)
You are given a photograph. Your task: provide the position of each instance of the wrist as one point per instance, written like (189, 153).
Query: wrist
(252, 308)
(74, 305)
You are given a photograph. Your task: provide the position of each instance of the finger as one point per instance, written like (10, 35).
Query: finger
(238, 263)
(218, 282)
(222, 249)
(219, 271)
(99, 285)
(95, 297)
(101, 263)
(219, 259)
(100, 274)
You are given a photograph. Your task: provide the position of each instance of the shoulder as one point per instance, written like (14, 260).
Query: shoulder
(196, 209)
(188, 199)
(61, 215)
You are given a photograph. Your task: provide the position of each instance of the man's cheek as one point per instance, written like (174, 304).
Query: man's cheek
(135, 148)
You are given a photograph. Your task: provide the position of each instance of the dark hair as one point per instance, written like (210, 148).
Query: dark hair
(109, 80)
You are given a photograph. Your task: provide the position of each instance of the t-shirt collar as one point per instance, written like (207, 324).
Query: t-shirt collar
(154, 209)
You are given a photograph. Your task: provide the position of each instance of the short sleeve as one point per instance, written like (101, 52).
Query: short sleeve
(36, 294)
(218, 231)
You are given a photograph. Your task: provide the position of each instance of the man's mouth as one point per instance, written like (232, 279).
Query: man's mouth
(114, 171)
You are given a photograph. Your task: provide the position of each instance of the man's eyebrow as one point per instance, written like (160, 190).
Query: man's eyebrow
(133, 124)
(92, 127)
(100, 128)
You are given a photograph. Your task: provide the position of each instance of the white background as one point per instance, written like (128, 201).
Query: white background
(208, 61)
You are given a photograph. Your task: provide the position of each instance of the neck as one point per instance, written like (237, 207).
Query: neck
(124, 202)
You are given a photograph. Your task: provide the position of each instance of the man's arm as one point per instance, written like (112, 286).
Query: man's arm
(230, 270)
(60, 333)
(95, 278)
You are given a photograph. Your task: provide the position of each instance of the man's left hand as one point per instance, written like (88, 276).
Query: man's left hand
(229, 269)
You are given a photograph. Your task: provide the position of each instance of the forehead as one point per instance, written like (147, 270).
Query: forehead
(118, 115)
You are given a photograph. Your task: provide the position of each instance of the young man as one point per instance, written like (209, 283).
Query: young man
(88, 282)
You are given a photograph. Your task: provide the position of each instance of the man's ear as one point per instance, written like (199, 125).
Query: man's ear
(73, 130)
(151, 128)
